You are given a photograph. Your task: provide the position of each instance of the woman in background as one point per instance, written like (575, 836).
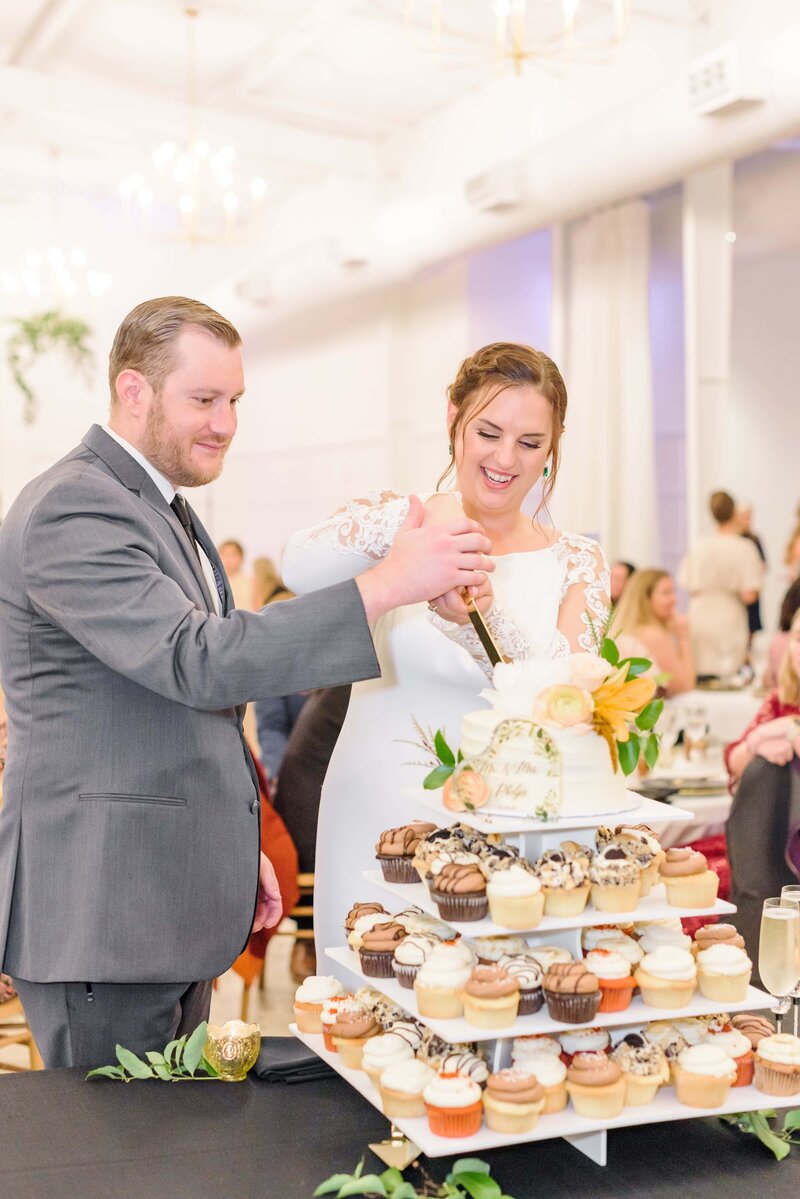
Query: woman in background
(650, 626)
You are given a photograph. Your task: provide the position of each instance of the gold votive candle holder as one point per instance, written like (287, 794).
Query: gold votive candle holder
(232, 1049)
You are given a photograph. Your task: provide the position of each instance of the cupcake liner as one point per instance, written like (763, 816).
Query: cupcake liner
(502, 1116)
(572, 1009)
(455, 1121)
(351, 1050)
(598, 1103)
(723, 988)
(460, 907)
(405, 974)
(327, 1039)
(438, 1003)
(377, 963)
(400, 1104)
(616, 899)
(530, 1001)
(558, 902)
(663, 993)
(774, 1082)
(517, 912)
(308, 1017)
(491, 1013)
(398, 869)
(640, 1089)
(700, 1090)
(693, 890)
(555, 1099)
(615, 993)
(745, 1069)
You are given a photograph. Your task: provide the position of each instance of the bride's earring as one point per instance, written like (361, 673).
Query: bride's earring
(545, 472)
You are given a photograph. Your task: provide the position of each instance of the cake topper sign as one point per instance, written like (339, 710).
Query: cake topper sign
(521, 766)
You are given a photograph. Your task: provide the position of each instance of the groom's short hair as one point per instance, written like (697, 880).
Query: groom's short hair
(145, 341)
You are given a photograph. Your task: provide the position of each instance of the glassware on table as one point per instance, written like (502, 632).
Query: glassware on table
(695, 733)
(779, 951)
(792, 891)
(668, 729)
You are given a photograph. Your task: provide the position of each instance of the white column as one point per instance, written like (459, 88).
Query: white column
(707, 272)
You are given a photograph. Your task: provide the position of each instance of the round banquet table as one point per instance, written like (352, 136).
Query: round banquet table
(728, 712)
(63, 1138)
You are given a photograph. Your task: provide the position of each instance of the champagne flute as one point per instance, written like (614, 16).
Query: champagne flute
(792, 892)
(779, 951)
(695, 733)
(668, 729)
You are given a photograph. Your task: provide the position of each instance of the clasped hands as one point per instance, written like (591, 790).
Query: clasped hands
(444, 510)
(776, 741)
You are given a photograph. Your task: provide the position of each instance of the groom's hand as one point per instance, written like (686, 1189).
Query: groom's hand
(269, 905)
(426, 559)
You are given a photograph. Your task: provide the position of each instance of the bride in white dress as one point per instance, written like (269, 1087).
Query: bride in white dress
(505, 417)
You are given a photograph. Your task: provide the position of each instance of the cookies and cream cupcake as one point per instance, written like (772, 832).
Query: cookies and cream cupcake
(615, 879)
(512, 1101)
(596, 1086)
(565, 883)
(723, 973)
(666, 978)
(668, 1038)
(644, 1068)
(689, 882)
(704, 1074)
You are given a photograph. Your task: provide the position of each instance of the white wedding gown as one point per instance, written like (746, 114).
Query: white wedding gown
(545, 603)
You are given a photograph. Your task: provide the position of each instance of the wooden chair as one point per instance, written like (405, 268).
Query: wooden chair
(303, 907)
(13, 1032)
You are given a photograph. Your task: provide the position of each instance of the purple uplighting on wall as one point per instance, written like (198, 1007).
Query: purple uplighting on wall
(509, 290)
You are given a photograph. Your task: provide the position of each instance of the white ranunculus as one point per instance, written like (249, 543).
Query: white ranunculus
(517, 684)
(587, 671)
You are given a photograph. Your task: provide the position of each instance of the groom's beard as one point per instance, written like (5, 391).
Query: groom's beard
(171, 454)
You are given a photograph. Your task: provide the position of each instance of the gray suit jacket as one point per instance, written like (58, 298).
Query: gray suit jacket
(129, 835)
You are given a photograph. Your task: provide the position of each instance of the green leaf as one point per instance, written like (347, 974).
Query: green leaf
(648, 716)
(767, 1137)
(210, 1070)
(469, 1165)
(106, 1072)
(163, 1072)
(479, 1186)
(367, 1184)
(609, 651)
(193, 1053)
(446, 755)
(792, 1120)
(391, 1177)
(651, 750)
(404, 1191)
(628, 753)
(437, 778)
(332, 1185)
(459, 757)
(636, 666)
(168, 1052)
(134, 1066)
(155, 1059)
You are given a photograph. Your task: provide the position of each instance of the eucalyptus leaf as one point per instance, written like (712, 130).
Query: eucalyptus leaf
(478, 1186)
(367, 1184)
(609, 651)
(628, 754)
(651, 750)
(168, 1052)
(648, 717)
(133, 1064)
(106, 1072)
(332, 1185)
(193, 1053)
(155, 1059)
(446, 755)
(437, 778)
(163, 1072)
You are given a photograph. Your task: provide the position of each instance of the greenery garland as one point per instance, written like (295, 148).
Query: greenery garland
(36, 335)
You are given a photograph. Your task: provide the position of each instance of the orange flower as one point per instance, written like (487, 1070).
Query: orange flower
(617, 703)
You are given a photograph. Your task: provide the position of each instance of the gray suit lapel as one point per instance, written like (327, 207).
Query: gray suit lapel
(227, 603)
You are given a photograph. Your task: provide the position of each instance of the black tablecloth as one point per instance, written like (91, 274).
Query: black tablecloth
(63, 1138)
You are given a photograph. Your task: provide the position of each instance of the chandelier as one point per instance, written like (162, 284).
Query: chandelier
(195, 188)
(56, 273)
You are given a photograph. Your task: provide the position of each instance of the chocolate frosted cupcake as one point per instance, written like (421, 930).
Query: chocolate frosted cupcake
(459, 891)
(572, 993)
(409, 954)
(528, 973)
(512, 1101)
(754, 1027)
(491, 997)
(716, 934)
(377, 949)
(396, 849)
(362, 909)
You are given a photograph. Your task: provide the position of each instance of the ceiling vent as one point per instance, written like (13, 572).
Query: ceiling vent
(497, 189)
(716, 82)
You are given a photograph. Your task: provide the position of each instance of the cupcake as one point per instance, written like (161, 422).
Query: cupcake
(716, 934)
(440, 981)
(491, 949)
(491, 998)
(583, 1040)
(353, 1027)
(660, 936)
(451, 857)
(616, 885)
(689, 882)
(464, 1061)
(384, 1009)
(666, 978)
(564, 882)
(669, 1040)
(330, 1010)
(355, 938)
(614, 975)
(362, 909)
(409, 954)
(515, 896)
(396, 848)
(572, 993)
(512, 1101)
(714, 1022)
(640, 927)
(454, 1106)
(410, 1030)
(387, 1049)
(459, 891)
(309, 999)
(536, 1045)
(693, 1029)
(596, 1086)
(625, 946)
(401, 1087)
(644, 1068)
(430, 846)
(737, 1047)
(377, 949)
(591, 937)
(528, 973)
(777, 1064)
(548, 955)
(551, 1072)
(755, 1028)
(414, 920)
(723, 973)
(642, 845)
(704, 1074)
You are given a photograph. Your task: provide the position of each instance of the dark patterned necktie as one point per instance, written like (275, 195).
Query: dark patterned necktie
(181, 510)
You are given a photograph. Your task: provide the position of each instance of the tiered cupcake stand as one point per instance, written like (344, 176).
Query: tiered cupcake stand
(589, 1136)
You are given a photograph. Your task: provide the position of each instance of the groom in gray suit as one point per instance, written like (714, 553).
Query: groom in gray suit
(130, 874)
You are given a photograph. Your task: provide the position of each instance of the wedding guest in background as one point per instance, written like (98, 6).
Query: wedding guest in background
(723, 574)
(744, 517)
(650, 626)
(620, 573)
(791, 557)
(780, 640)
(232, 554)
(274, 718)
(267, 585)
(766, 789)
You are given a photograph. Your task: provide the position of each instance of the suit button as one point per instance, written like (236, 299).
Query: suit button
(254, 806)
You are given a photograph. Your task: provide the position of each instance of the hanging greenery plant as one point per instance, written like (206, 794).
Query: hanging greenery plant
(38, 334)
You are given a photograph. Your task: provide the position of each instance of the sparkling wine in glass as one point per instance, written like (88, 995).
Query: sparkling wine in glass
(695, 733)
(791, 892)
(779, 950)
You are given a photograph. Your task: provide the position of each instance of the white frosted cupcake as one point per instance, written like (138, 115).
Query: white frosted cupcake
(584, 1040)
(661, 936)
(536, 1045)
(548, 955)
(551, 1072)
(491, 949)
(441, 979)
(777, 1064)
(723, 973)
(401, 1088)
(626, 947)
(640, 927)
(309, 999)
(388, 1049)
(409, 954)
(454, 1105)
(591, 937)
(666, 978)
(704, 1074)
(515, 897)
(738, 1047)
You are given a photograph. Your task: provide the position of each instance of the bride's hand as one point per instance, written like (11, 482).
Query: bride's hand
(452, 605)
(442, 506)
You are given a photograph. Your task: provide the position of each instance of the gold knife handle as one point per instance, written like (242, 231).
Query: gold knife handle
(482, 629)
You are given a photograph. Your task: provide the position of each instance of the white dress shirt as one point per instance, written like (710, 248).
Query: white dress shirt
(168, 491)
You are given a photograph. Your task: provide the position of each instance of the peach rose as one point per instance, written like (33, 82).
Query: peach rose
(587, 671)
(563, 705)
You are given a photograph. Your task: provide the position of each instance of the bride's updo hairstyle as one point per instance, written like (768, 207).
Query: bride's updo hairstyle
(483, 376)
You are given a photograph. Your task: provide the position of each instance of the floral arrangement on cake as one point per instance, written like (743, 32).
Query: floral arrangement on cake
(601, 693)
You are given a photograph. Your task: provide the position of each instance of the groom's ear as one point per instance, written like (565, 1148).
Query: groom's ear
(133, 391)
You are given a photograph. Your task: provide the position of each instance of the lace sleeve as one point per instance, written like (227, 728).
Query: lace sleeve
(345, 544)
(508, 638)
(585, 599)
